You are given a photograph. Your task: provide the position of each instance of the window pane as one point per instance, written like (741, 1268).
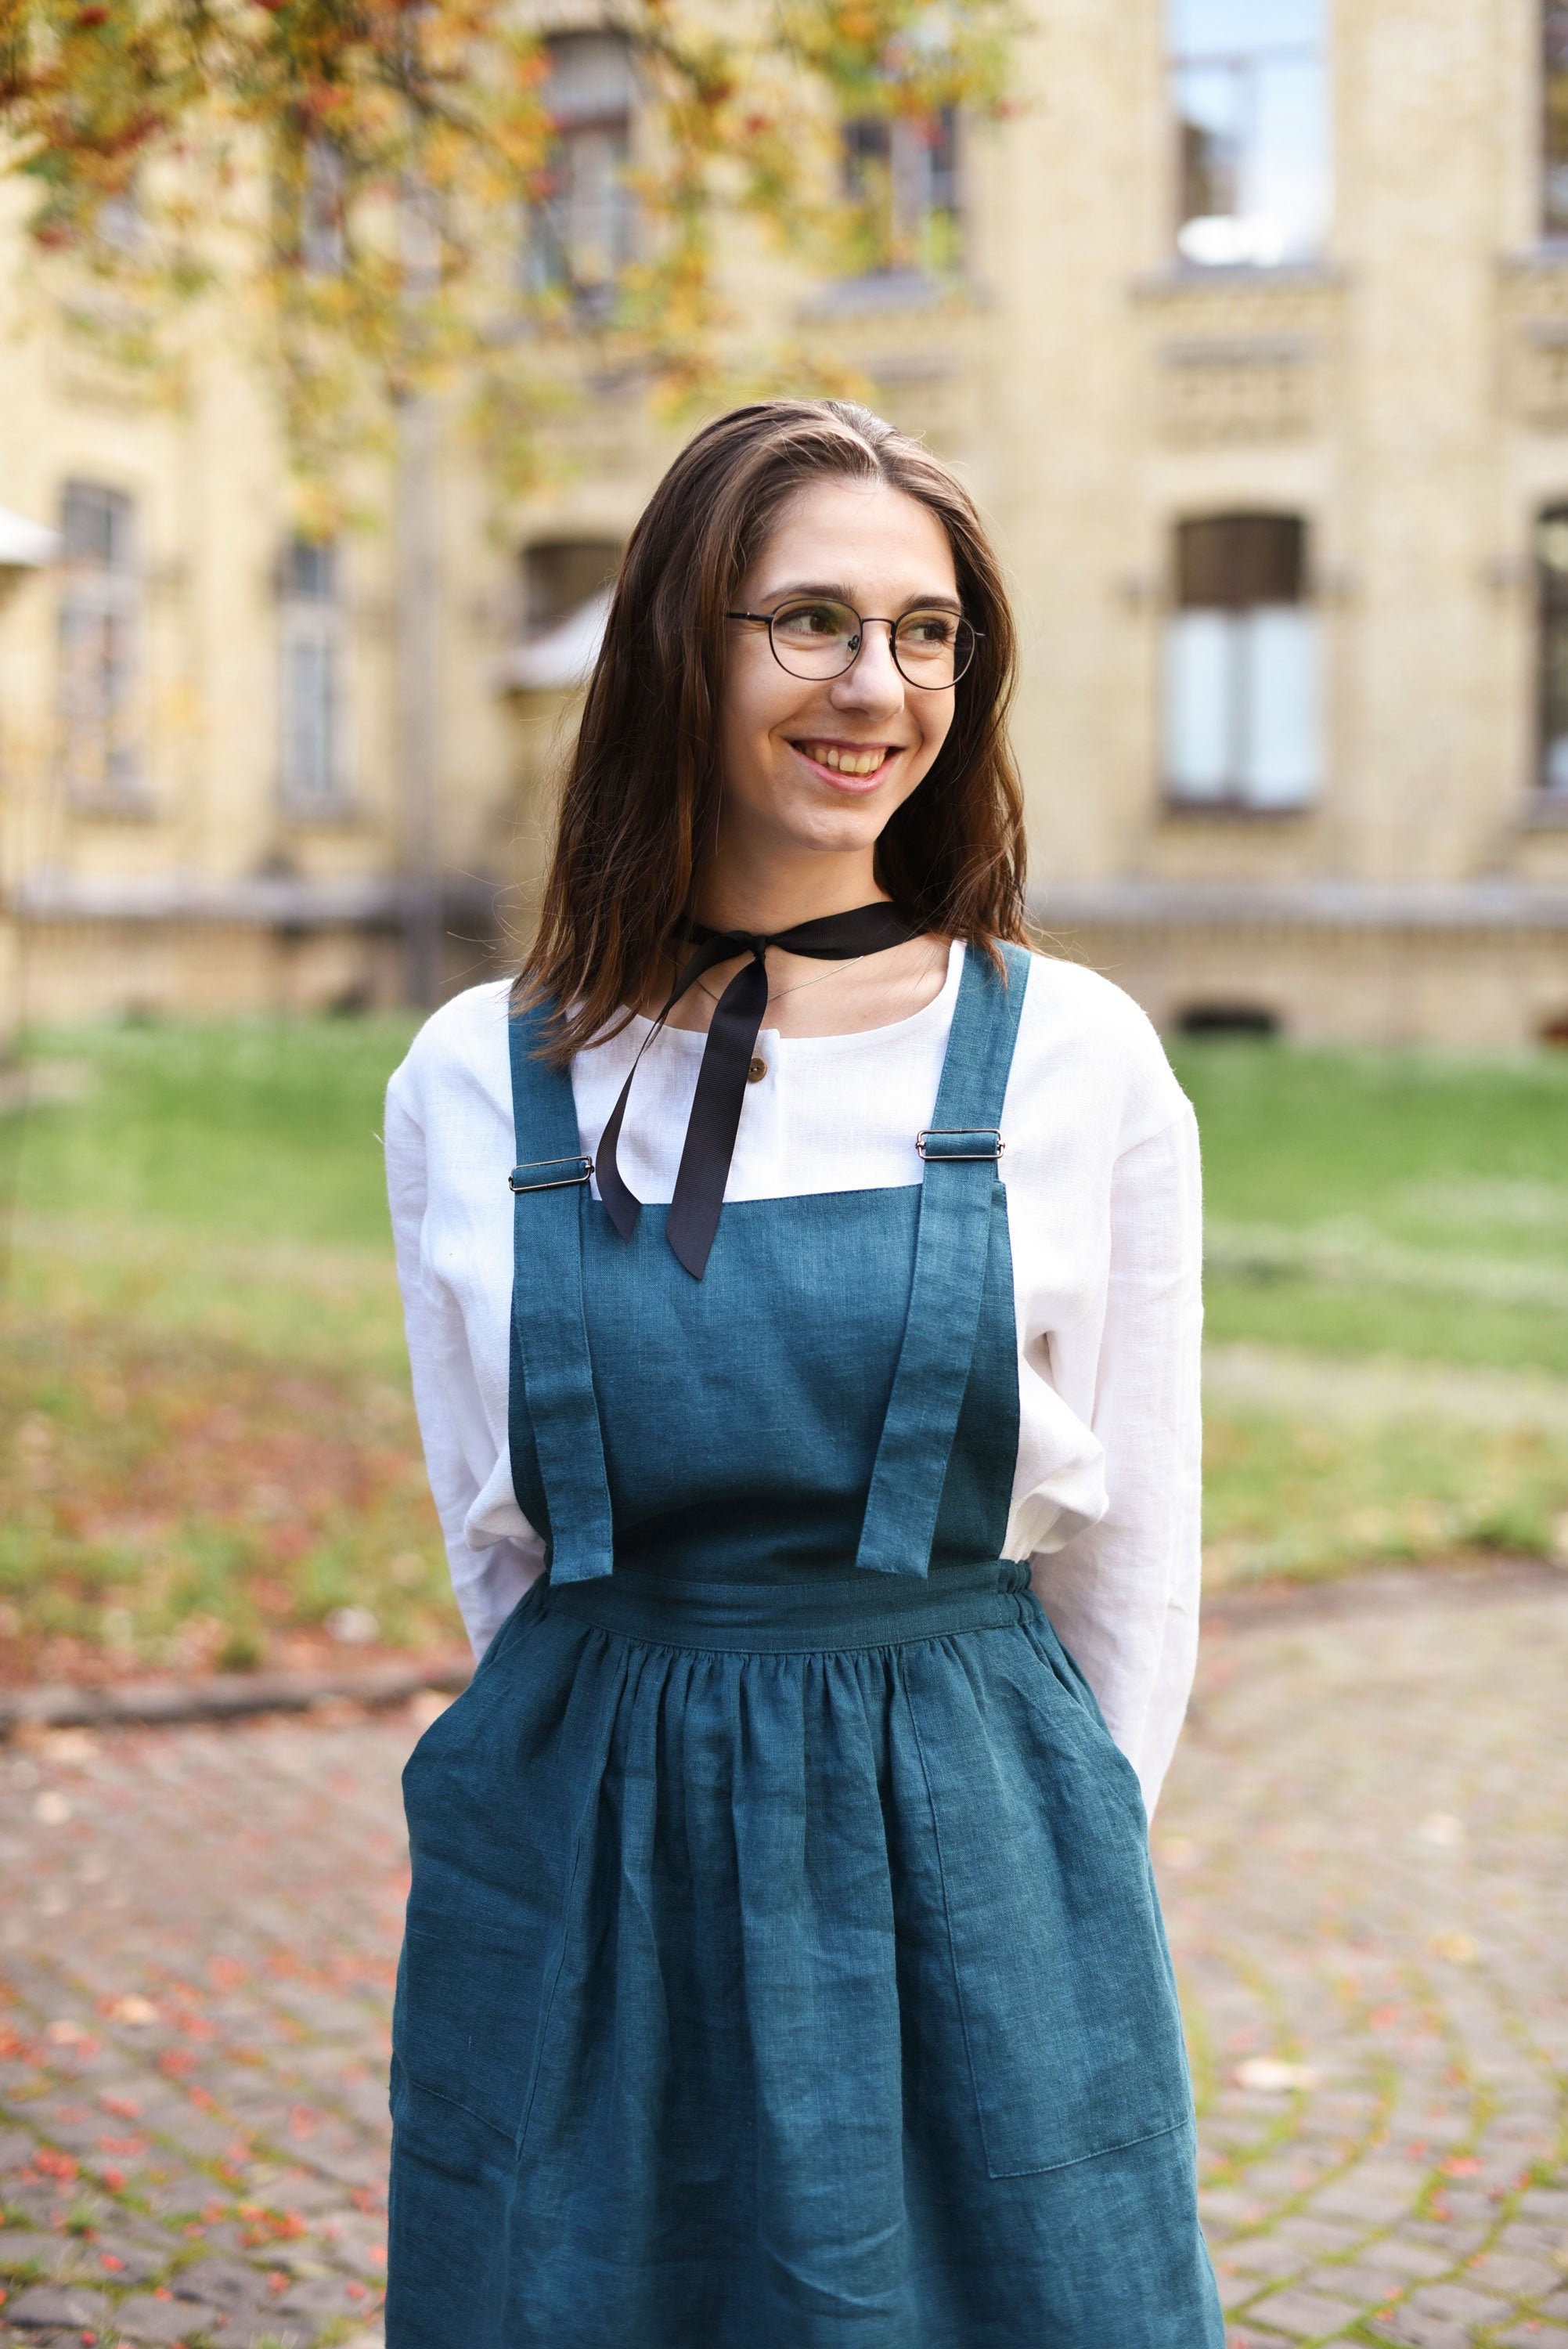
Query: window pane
(1554, 118)
(98, 677)
(1241, 26)
(310, 569)
(591, 166)
(1281, 746)
(581, 225)
(1211, 126)
(591, 77)
(1250, 91)
(1232, 561)
(95, 525)
(1287, 202)
(1552, 575)
(1199, 692)
(322, 245)
(559, 575)
(308, 715)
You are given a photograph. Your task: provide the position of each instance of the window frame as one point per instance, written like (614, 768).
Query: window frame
(547, 264)
(103, 595)
(1247, 63)
(314, 621)
(1551, 589)
(905, 236)
(1241, 620)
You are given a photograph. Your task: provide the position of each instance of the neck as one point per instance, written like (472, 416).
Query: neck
(780, 892)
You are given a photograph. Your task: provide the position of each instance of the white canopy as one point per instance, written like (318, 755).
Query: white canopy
(563, 657)
(23, 544)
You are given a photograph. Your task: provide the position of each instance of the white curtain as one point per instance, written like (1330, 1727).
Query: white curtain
(1243, 705)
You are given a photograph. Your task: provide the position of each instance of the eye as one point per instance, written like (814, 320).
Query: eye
(813, 623)
(928, 631)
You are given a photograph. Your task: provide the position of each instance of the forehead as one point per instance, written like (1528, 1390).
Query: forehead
(864, 537)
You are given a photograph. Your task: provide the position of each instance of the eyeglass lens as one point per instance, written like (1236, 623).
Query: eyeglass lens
(821, 639)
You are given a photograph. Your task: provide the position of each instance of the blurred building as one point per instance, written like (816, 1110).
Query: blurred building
(1249, 325)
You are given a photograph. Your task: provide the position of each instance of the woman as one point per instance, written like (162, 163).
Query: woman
(784, 1969)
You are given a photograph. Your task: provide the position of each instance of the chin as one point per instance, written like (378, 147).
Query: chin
(838, 830)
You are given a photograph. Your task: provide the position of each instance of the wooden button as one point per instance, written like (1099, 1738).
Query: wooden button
(758, 1070)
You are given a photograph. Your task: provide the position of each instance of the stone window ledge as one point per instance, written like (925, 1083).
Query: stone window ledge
(113, 807)
(322, 815)
(1177, 279)
(1552, 253)
(1175, 808)
(889, 293)
(1546, 812)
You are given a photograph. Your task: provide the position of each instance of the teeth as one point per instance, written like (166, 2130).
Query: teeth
(845, 762)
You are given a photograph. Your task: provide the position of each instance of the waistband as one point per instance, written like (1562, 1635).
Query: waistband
(858, 1609)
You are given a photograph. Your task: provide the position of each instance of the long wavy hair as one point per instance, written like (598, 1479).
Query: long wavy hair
(642, 790)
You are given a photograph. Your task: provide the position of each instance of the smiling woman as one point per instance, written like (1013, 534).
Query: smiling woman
(724, 763)
(783, 1966)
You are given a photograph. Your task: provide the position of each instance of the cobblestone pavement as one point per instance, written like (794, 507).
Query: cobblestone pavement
(1363, 1856)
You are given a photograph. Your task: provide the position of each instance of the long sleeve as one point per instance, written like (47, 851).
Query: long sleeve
(488, 1576)
(1123, 1592)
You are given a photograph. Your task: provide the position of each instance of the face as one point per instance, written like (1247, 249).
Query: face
(821, 764)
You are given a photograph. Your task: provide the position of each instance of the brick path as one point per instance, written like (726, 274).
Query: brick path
(1362, 1851)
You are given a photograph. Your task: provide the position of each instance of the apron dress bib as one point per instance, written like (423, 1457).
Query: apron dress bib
(784, 1968)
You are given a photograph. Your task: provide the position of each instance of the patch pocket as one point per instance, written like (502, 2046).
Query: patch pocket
(1061, 1974)
(465, 2026)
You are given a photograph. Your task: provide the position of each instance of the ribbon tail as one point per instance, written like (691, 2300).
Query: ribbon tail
(619, 1203)
(716, 1118)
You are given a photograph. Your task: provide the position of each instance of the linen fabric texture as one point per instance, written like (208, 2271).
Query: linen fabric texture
(784, 1965)
(1101, 1176)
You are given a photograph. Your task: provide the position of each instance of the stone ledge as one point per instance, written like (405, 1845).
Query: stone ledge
(1460, 905)
(228, 1697)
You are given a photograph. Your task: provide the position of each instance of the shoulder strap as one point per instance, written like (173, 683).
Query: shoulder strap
(960, 1149)
(552, 1384)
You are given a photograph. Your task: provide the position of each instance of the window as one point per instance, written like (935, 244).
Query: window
(1250, 99)
(1554, 118)
(309, 214)
(322, 248)
(311, 682)
(101, 619)
(1243, 687)
(581, 229)
(1552, 591)
(902, 175)
(560, 575)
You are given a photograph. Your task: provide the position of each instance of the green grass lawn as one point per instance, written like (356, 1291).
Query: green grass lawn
(208, 1453)
(1407, 1209)
(211, 1454)
(1386, 1203)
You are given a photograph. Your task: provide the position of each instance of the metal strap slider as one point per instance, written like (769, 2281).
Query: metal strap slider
(549, 1173)
(942, 1142)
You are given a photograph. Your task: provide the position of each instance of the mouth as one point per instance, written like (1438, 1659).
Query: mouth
(853, 766)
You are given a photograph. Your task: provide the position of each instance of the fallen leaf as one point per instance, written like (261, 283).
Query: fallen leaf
(1270, 2076)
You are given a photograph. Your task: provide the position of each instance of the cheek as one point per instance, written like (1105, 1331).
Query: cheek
(935, 725)
(756, 705)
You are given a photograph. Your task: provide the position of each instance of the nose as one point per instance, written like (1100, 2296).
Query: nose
(872, 684)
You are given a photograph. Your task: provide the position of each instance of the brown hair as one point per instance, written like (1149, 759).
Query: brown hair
(643, 785)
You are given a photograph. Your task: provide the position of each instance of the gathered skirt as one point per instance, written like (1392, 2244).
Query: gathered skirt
(784, 1971)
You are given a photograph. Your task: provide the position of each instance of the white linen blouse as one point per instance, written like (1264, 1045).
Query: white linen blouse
(1103, 1201)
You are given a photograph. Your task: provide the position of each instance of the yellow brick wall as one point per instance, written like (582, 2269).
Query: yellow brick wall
(1407, 393)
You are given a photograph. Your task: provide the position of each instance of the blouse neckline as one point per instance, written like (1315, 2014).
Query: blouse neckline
(937, 1013)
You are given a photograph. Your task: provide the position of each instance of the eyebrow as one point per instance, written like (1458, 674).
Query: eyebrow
(840, 594)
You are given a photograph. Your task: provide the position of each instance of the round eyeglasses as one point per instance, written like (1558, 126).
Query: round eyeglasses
(822, 638)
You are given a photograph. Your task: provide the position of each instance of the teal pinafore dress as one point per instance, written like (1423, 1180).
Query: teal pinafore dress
(783, 1966)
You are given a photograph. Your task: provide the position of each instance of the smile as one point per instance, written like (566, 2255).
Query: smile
(855, 761)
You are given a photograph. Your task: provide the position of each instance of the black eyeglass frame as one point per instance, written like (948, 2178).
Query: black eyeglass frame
(865, 621)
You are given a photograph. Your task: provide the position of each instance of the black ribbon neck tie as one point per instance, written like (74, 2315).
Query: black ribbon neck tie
(732, 1035)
